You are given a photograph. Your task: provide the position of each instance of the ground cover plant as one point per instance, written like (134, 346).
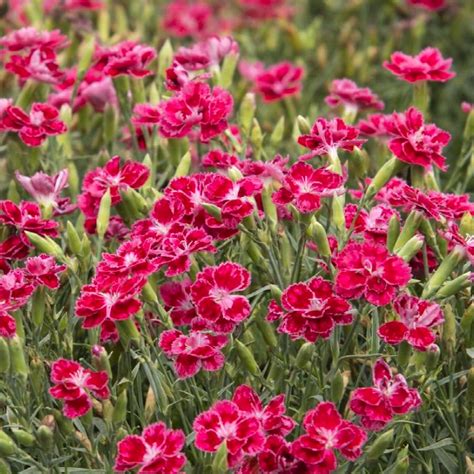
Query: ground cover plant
(236, 236)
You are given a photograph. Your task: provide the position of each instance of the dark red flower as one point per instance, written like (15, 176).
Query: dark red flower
(376, 125)
(304, 186)
(327, 431)
(369, 270)
(390, 396)
(212, 292)
(7, 325)
(428, 65)
(193, 352)
(415, 142)
(310, 310)
(352, 97)
(43, 270)
(177, 300)
(157, 451)
(327, 136)
(33, 128)
(75, 385)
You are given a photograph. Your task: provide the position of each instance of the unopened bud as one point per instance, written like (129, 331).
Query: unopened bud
(45, 437)
(277, 135)
(17, 358)
(219, 463)
(247, 358)
(305, 354)
(449, 330)
(7, 445)
(379, 446)
(184, 166)
(317, 233)
(46, 245)
(128, 332)
(411, 248)
(103, 216)
(247, 112)
(4, 356)
(120, 409)
(23, 437)
(393, 232)
(412, 223)
(303, 125)
(337, 387)
(389, 169)
(453, 287)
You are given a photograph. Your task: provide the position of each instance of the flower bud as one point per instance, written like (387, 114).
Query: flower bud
(38, 375)
(103, 216)
(247, 112)
(275, 292)
(277, 135)
(149, 294)
(184, 166)
(165, 58)
(337, 387)
(453, 287)
(213, 210)
(150, 404)
(73, 239)
(467, 325)
(303, 125)
(393, 232)
(256, 138)
(432, 357)
(100, 359)
(271, 214)
(45, 437)
(338, 214)
(449, 330)
(389, 169)
(64, 424)
(4, 356)
(411, 248)
(404, 352)
(246, 357)
(7, 445)
(466, 226)
(120, 409)
(305, 354)
(219, 463)
(135, 203)
(267, 332)
(128, 332)
(234, 174)
(409, 229)
(23, 437)
(228, 69)
(379, 446)
(88, 49)
(317, 233)
(46, 245)
(110, 119)
(38, 307)
(402, 462)
(17, 358)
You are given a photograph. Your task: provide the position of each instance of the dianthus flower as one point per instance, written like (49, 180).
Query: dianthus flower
(183, 18)
(76, 386)
(157, 450)
(310, 310)
(177, 300)
(43, 270)
(390, 396)
(352, 97)
(369, 270)
(428, 65)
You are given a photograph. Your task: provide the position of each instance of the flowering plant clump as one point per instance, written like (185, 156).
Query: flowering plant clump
(236, 237)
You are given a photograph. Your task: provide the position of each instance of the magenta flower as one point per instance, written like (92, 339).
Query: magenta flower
(43, 270)
(7, 325)
(417, 317)
(431, 5)
(369, 270)
(177, 300)
(327, 431)
(390, 396)
(327, 136)
(25, 39)
(429, 65)
(304, 186)
(183, 18)
(76, 386)
(157, 451)
(352, 97)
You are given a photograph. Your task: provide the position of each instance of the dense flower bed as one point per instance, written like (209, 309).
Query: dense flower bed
(236, 237)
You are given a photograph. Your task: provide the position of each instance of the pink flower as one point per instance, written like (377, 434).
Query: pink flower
(116, 301)
(146, 115)
(157, 451)
(310, 310)
(7, 325)
(348, 94)
(327, 431)
(43, 270)
(304, 186)
(212, 292)
(176, 249)
(183, 18)
(219, 159)
(196, 105)
(415, 142)
(40, 65)
(417, 316)
(76, 386)
(22, 217)
(15, 290)
(462, 242)
(45, 189)
(126, 58)
(390, 396)
(224, 422)
(432, 5)
(369, 270)
(25, 39)
(193, 352)
(428, 65)
(35, 127)
(278, 81)
(272, 416)
(265, 9)
(177, 300)
(467, 107)
(327, 136)
(375, 125)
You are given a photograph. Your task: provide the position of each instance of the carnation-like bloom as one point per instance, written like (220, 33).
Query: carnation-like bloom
(327, 136)
(39, 65)
(196, 105)
(415, 142)
(157, 451)
(327, 431)
(213, 293)
(369, 270)
(226, 423)
(431, 5)
(429, 65)
(176, 296)
(43, 270)
(33, 128)
(183, 18)
(310, 310)
(390, 396)
(45, 189)
(272, 416)
(193, 352)
(417, 317)
(304, 186)
(7, 325)
(279, 81)
(76, 386)
(461, 241)
(25, 39)
(375, 125)
(116, 301)
(15, 290)
(352, 97)
(126, 58)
